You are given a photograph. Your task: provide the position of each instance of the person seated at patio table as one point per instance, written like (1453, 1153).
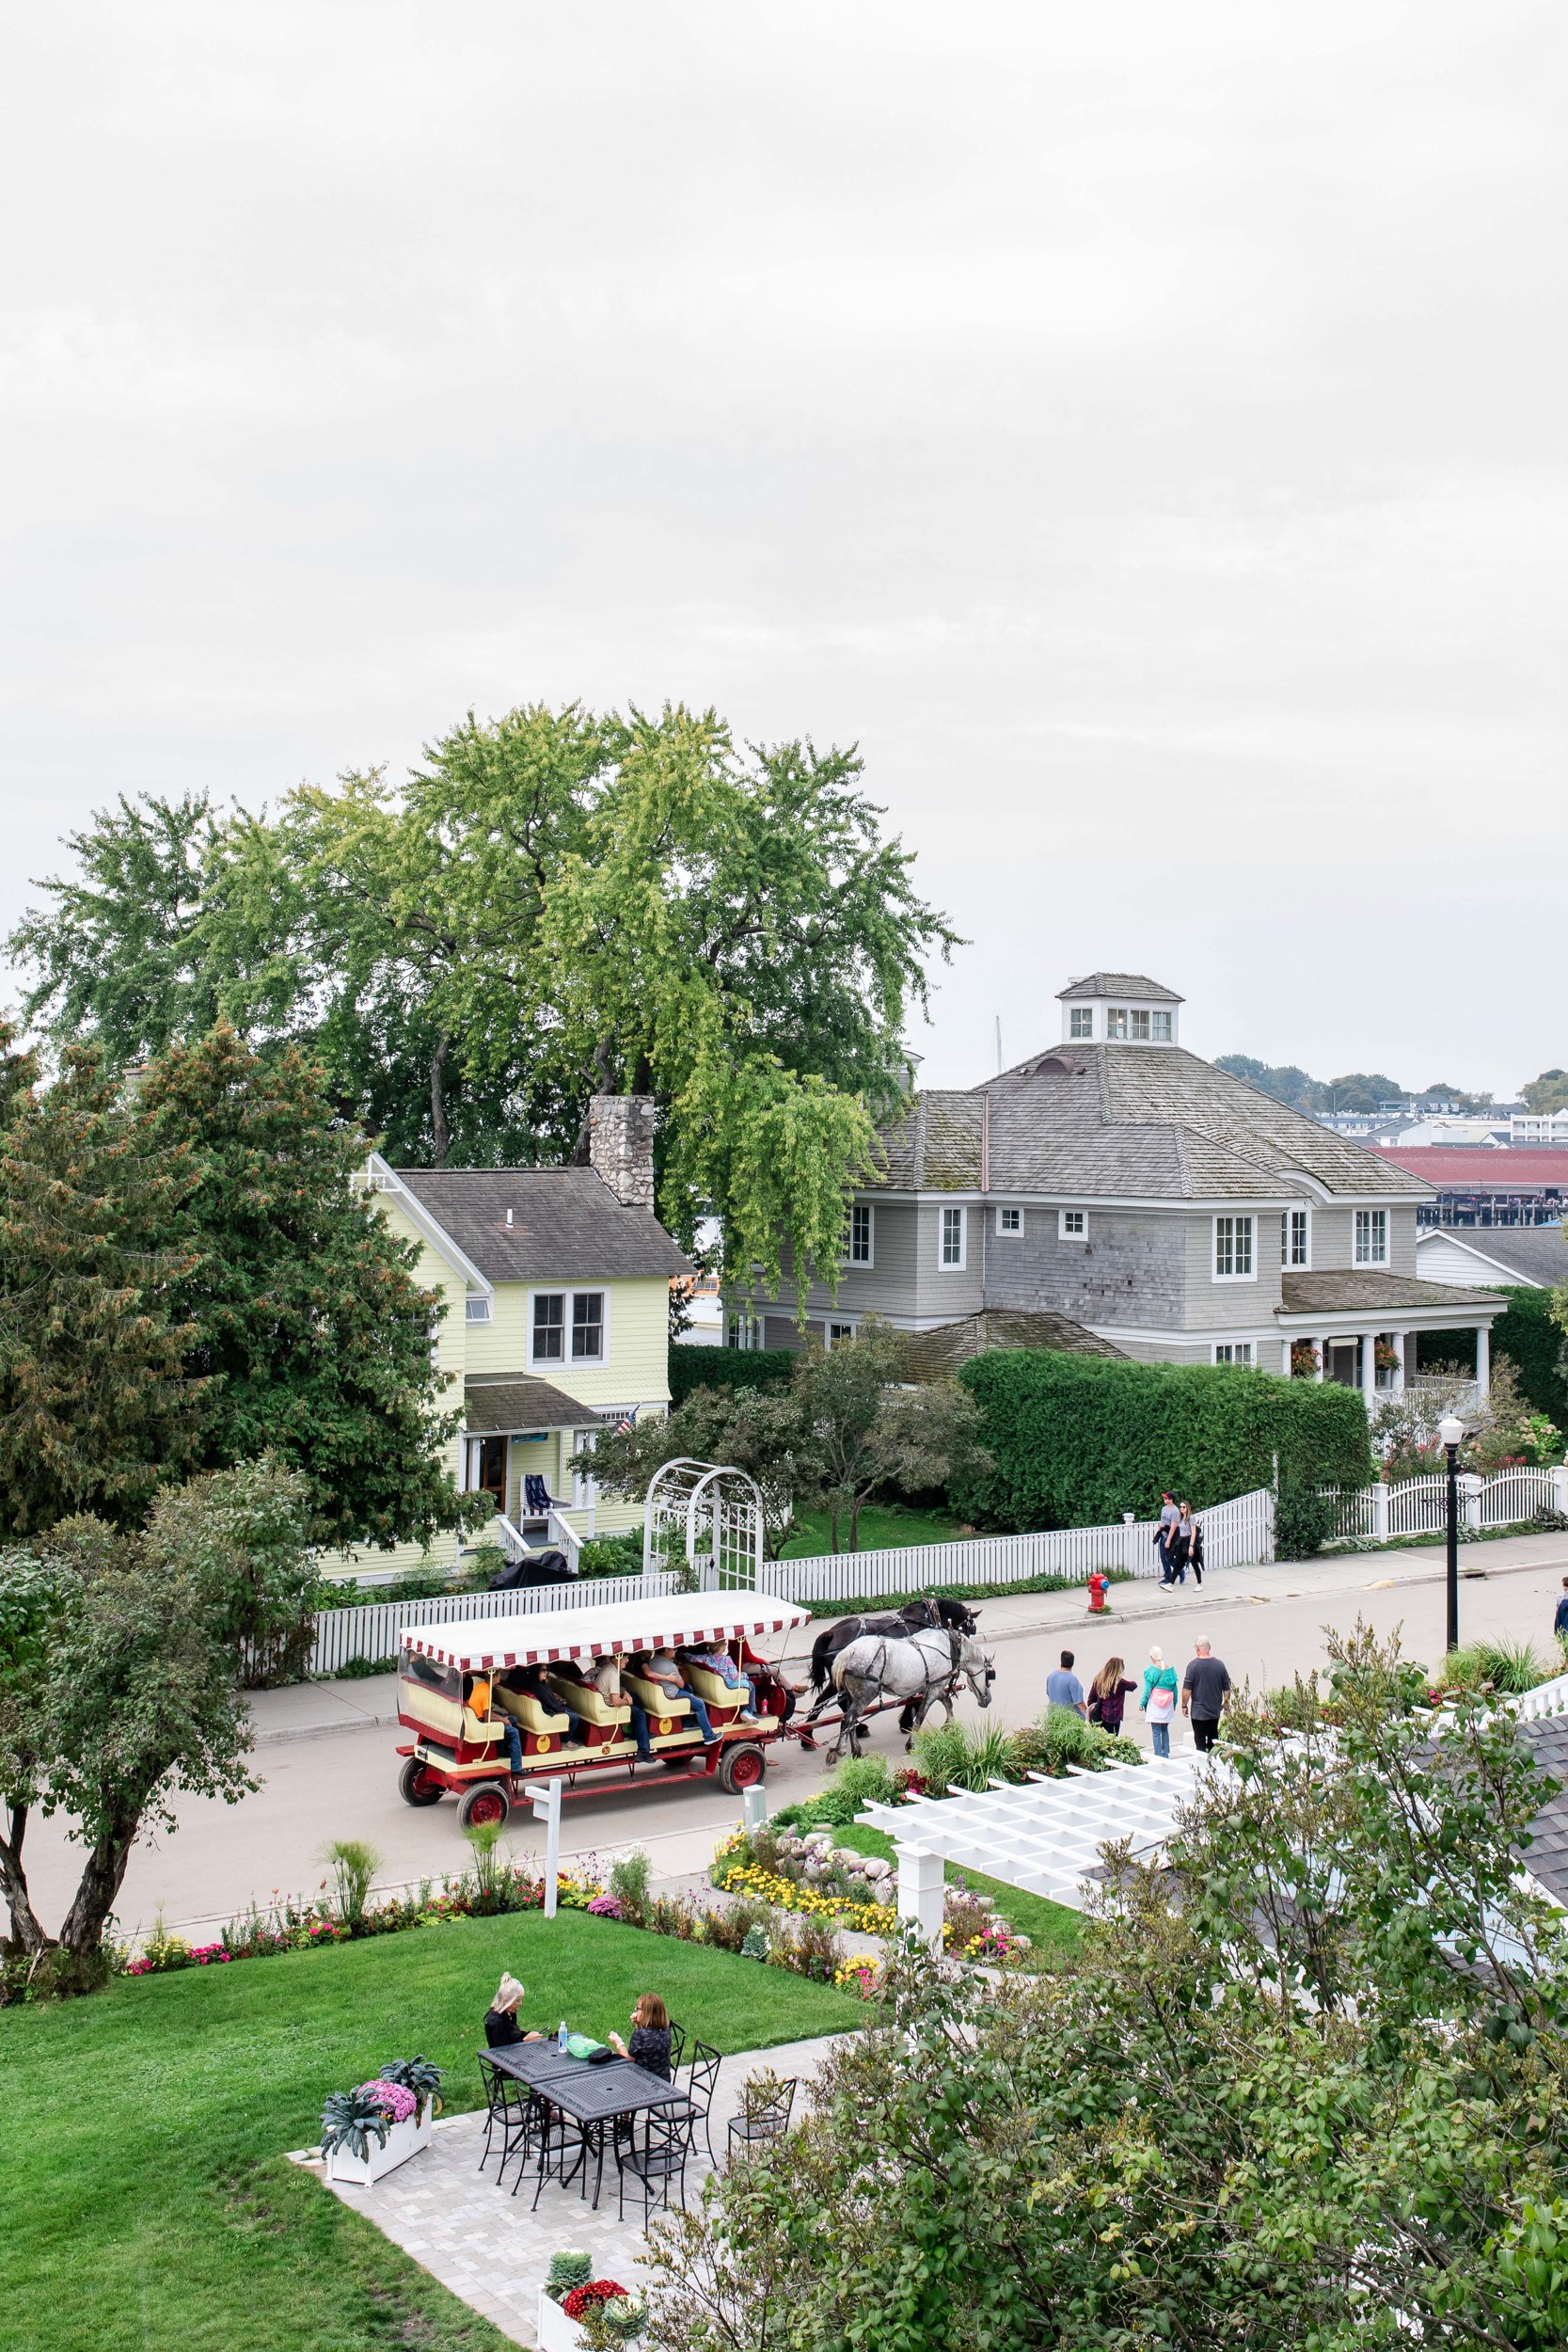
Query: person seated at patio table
(663, 1668)
(479, 1701)
(718, 1661)
(501, 2029)
(650, 2036)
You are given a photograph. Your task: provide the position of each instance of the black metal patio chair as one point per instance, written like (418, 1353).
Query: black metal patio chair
(762, 2122)
(655, 2155)
(509, 2113)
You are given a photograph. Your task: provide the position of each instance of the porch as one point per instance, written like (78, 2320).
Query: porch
(1362, 1330)
(519, 1445)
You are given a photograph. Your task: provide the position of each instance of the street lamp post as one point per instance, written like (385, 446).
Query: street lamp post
(1451, 1430)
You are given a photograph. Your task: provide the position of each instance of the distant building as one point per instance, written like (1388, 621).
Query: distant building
(1539, 1127)
(1516, 1186)
(1495, 1257)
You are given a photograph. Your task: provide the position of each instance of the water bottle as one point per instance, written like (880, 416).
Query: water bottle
(561, 2038)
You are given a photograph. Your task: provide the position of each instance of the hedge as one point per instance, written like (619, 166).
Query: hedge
(1076, 1441)
(1533, 1344)
(725, 1368)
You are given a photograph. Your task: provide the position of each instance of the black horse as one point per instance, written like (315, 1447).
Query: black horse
(914, 1617)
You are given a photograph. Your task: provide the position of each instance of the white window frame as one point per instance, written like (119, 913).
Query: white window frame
(1073, 1225)
(1289, 1262)
(569, 1295)
(1015, 1230)
(1160, 1032)
(1139, 1026)
(477, 1307)
(833, 1331)
(861, 1209)
(944, 1263)
(743, 1331)
(1080, 1023)
(1373, 1224)
(1116, 1022)
(1235, 1220)
(1236, 1352)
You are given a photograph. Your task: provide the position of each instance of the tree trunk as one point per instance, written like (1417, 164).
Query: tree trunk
(855, 1524)
(101, 1877)
(28, 1935)
(440, 1134)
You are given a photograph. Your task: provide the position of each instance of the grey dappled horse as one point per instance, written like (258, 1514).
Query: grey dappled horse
(921, 1669)
(913, 1618)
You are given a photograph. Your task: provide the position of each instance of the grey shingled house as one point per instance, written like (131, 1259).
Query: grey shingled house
(1115, 1194)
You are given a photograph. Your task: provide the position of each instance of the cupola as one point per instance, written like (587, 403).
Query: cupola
(1119, 1008)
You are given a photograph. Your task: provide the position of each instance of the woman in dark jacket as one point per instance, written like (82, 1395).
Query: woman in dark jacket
(1186, 1547)
(650, 2036)
(501, 2029)
(1108, 1694)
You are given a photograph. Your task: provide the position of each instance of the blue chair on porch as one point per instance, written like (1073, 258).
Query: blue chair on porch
(537, 1498)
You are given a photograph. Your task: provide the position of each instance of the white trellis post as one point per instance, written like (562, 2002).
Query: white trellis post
(921, 1879)
(547, 1806)
(715, 1512)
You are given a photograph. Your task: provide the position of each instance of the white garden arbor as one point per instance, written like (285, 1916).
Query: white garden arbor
(1044, 1836)
(705, 1516)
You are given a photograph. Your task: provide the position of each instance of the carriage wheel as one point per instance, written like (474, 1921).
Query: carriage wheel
(484, 1807)
(417, 1785)
(741, 1766)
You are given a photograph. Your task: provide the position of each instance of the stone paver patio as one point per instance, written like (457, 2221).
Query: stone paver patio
(489, 2248)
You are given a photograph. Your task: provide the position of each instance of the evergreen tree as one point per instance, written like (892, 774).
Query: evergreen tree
(97, 1405)
(304, 1313)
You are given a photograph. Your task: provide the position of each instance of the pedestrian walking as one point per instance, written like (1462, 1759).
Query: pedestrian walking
(1559, 1623)
(1063, 1687)
(1158, 1701)
(1203, 1695)
(1108, 1694)
(1168, 1517)
(1186, 1546)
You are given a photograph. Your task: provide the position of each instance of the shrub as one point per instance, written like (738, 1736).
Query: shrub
(1075, 1442)
(353, 1864)
(726, 1368)
(1304, 1521)
(1512, 1667)
(612, 1555)
(631, 1876)
(1532, 1342)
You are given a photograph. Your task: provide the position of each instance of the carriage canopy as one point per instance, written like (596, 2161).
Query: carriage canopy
(680, 1621)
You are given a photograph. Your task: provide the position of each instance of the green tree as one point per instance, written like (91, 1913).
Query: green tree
(1316, 2102)
(1548, 1093)
(555, 904)
(96, 1404)
(302, 1315)
(761, 1431)
(35, 1595)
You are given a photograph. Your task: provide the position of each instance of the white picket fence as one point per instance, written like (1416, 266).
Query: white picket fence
(1419, 1506)
(345, 1635)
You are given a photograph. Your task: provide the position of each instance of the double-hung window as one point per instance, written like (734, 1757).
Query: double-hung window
(1233, 1249)
(861, 1234)
(1372, 1237)
(1295, 1248)
(1234, 1352)
(568, 1325)
(1138, 1023)
(951, 1254)
(1116, 1021)
(1081, 1021)
(1160, 1031)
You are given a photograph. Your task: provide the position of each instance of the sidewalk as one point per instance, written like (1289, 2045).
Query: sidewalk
(311, 1710)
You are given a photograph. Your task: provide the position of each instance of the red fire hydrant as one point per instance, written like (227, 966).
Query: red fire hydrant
(1099, 1587)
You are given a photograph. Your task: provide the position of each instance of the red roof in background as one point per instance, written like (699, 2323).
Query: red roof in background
(1478, 1167)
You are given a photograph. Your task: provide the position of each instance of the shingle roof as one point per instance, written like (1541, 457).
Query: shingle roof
(1140, 1122)
(1134, 984)
(1536, 1254)
(520, 1403)
(568, 1225)
(1547, 1854)
(1481, 1167)
(1338, 1293)
(947, 1345)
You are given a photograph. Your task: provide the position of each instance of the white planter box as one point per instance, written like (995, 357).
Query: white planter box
(402, 2141)
(556, 2333)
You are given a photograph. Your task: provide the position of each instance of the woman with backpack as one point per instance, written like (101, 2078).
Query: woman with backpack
(1108, 1695)
(1186, 1546)
(1158, 1700)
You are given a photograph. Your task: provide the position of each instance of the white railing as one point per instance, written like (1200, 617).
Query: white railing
(1419, 1506)
(345, 1635)
(1234, 1534)
(1547, 1698)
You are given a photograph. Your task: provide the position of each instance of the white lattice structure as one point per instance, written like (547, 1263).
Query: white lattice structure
(1045, 1836)
(707, 1515)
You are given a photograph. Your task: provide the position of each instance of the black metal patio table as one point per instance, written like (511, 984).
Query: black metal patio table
(592, 2096)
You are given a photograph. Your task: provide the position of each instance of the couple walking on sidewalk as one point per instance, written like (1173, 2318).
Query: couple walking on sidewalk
(1179, 1541)
(1204, 1687)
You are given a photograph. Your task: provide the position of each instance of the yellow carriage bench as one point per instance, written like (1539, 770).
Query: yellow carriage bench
(570, 1684)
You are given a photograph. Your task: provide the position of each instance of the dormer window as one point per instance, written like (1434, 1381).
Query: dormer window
(1160, 1032)
(1116, 1021)
(1081, 1021)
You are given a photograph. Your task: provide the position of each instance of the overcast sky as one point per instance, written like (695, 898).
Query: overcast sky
(1140, 427)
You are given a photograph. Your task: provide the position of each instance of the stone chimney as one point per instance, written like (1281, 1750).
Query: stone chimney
(621, 1146)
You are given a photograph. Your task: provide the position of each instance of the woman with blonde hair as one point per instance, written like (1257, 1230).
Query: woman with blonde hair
(501, 2029)
(650, 2036)
(1159, 1699)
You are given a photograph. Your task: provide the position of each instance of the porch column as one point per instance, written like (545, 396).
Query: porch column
(921, 1878)
(1483, 1358)
(1285, 1352)
(1368, 1369)
(1321, 1343)
(1399, 1338)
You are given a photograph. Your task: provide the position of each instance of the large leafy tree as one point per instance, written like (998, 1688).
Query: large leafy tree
(554, 904)
(1305, 2090)
(302, 1314)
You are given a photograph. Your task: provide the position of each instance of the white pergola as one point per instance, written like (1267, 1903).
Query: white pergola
(1045, 1836)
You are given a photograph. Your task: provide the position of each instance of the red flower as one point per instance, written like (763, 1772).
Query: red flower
(583, 2299)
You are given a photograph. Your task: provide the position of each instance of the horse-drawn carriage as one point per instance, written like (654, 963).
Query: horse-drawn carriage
(496, 1703)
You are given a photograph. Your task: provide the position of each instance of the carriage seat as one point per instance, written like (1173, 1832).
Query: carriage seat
(586, 1702)
(714, 1689)
(526, 1709)
(479, 1731)
(653, 1696)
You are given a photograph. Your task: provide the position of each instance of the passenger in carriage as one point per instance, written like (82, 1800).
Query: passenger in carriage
(663, 1669)
(478, 1694)
(755, 1669)
(718, 1661)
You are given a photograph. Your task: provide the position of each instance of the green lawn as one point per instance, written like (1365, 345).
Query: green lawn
(881, 1526)
(1053, 1929)
(144, 2202)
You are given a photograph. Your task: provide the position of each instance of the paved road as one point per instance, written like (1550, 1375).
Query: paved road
(327, 1767)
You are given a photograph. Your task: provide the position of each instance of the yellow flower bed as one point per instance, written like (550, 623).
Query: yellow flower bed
(747, 1877)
